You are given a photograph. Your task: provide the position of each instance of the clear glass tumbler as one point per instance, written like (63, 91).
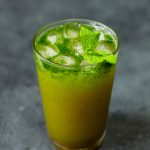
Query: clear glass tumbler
(75, 100)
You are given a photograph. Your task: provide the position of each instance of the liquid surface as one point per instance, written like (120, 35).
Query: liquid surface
(75, 44)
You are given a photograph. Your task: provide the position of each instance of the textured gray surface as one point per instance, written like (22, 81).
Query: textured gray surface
(21, 118)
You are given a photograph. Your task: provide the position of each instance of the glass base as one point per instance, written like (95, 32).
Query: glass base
(95, 146)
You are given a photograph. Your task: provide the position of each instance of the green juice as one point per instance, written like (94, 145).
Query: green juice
(75, 61)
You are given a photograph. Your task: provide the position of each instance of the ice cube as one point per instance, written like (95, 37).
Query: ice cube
(101, 36)
(71, 33)
(71, 30)
(78, 48)
(83, 63)
(107, 43)
(103, 47)
(65, 60)
(52, 38)
(48, 51)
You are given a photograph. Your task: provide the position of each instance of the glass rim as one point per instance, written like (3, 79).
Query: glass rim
(61, 22)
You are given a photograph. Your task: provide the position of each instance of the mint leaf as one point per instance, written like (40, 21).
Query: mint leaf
(103, 53)
(93, 58)
(101, 56)
(89, 38)
(111, 59)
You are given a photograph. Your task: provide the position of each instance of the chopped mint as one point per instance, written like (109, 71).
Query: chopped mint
(64, 47)
(43, 40)
(89, 38)
(61, 61)
(78, 59)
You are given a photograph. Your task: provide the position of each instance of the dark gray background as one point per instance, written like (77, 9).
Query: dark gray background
(21, 118)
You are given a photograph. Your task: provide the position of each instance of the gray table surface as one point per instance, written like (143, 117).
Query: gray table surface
(22, 125)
